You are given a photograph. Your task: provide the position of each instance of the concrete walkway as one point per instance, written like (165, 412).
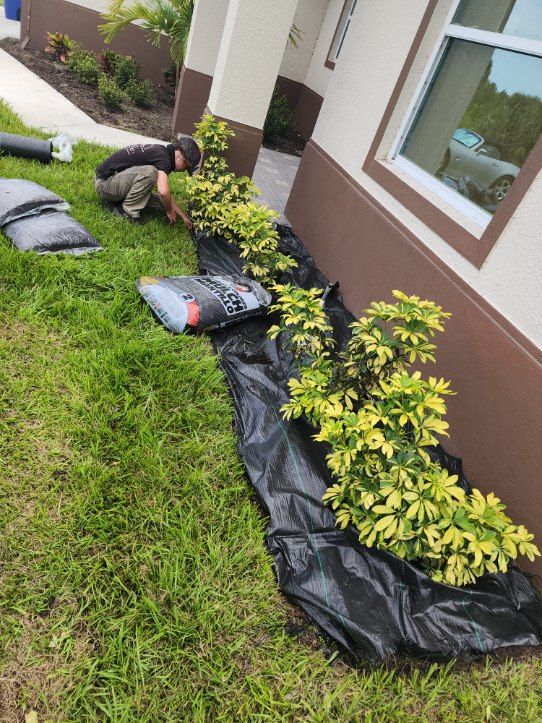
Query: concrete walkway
(8, 28)
(40, 105)
(274, 175)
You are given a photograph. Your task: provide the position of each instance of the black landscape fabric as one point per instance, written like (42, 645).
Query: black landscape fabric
(371, 602)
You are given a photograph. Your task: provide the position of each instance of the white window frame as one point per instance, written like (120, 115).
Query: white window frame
(450, 31)
(344, 30)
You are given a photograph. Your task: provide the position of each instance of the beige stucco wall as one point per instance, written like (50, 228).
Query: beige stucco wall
(308, 18)
(378, 41)
(318, 76)
(255, 34)
(205, 35)
(99, 5)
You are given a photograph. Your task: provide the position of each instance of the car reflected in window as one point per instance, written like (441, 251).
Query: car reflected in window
(469, 154)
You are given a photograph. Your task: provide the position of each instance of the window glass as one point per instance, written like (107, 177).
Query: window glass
(511, 17)
(479, 120)
(345, 30)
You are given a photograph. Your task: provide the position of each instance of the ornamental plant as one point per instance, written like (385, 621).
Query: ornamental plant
(380, 421)
(60, 45)
(85, 65)
(110, 92)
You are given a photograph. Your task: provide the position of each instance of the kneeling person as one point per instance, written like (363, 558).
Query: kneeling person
(126, 179)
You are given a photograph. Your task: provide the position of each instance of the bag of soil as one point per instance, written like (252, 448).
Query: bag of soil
(51, 232)
(20, 198)
(202, 303)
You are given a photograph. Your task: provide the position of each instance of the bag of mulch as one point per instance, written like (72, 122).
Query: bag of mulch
(20, 198)
(202, 303)
(51, 232)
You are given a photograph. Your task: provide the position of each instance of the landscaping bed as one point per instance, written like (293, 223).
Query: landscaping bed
(154, 122)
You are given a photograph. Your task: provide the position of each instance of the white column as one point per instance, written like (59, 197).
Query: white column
(208, 20)
(196, 77)
(253, 42)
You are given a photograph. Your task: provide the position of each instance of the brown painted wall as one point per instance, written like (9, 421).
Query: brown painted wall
(81, 24)
(496, 417)
(306, 112)
(192, 96)
(303, 102)
(291, 89)
(243, 148)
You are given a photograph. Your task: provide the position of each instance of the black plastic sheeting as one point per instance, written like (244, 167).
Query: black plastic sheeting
(20, 198)
(51, 232)
(371, 602)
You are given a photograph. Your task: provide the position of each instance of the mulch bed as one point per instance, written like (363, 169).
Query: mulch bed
(291, 143)
(154, 122)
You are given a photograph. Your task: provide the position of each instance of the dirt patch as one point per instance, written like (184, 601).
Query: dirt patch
(154, 122)
(291, 142)
(37, 664)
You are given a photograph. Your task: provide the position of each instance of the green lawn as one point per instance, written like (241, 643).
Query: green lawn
(134, 582)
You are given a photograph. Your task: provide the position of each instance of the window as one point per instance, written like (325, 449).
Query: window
(478, 114)
(340, 33)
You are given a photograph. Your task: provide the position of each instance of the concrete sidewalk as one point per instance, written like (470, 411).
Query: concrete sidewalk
(40, 105)
(9, 28)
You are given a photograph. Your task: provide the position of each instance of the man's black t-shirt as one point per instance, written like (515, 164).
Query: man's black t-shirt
(143, 154)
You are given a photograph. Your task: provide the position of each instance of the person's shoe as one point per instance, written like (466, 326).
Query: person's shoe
(117, 210)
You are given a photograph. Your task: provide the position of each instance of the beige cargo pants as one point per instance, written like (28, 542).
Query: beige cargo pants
(133, 187)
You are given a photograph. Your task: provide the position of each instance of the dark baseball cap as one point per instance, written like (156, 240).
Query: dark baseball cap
(191, 152)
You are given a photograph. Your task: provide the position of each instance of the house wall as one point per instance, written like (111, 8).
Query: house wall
(305, 65)
(361, 235)
(80, 20)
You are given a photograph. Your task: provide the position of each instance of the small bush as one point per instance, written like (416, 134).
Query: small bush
(59, 45)
(108, 61)
(126, 70)
(279, 117)
(110, 92)
(141, 93)
(85, 65)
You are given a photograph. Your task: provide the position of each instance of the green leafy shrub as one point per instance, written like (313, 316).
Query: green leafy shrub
(215, 191)
(108, 61)
(126, 70)
(249, 225)
(60, 45)
(141, 93)
(279, 116)
(380, 420)
(85, 65)
(110, 92)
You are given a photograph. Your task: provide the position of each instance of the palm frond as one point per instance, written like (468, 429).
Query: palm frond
(156, 17)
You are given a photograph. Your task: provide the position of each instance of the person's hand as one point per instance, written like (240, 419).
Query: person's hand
(172, 215)
(187, 222)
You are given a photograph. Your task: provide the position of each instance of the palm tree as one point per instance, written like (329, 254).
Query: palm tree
(160, 17)
(157, 17)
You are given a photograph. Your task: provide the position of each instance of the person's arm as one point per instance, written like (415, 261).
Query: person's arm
(162, 185)
(171, 206)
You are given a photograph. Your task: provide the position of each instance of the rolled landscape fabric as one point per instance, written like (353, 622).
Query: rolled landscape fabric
(26, 147)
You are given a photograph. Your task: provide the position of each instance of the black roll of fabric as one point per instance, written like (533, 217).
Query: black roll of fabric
(25, 147)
